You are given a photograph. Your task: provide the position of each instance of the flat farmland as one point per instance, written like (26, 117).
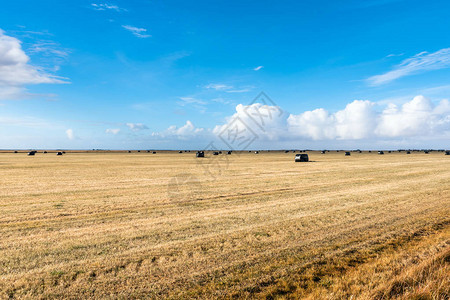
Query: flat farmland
(245, 225)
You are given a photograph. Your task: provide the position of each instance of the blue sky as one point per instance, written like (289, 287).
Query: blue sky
(175, 74)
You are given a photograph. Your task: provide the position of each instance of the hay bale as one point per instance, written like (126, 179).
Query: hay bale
(215, 153)
(447, 152)
(59, 153)
(347, 153)
(44, 152)
(323, 151)
(380, 152)
(200, 154)
(426, 151)
(154, 152)
(286, 151)
(408, 152)
(16, 152)
(229, 152)
(256, 152)
(129, 151)
(301, 158)
(31, 153)
(180, 151)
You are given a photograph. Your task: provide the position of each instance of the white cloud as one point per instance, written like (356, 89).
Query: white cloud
(187, 129)
(419, 63)
(218, 86)
(185, 132)
(255, 120)
(105, 6)
(70, 135)
(136, 126)
(191, 100)
(418, 117)
(245, 90)
(49, 48)
(258, 68)
(359, 120)
(15, 70)
(227, 88)
(136, 31)
(112, 130)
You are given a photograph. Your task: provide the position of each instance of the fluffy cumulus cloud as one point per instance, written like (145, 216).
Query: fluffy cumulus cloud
(16, 70)
(253, 121)
(187, 131)
(356, 121)
(418, 117)
(70, 134)
(359, 120)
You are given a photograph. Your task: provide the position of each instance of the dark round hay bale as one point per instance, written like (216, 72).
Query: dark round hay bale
(200, 154)
(229, 152)
(59, 153)
(31, 153)
(347, 153)
(408, 152)
(301, 158)
(447, 152)
(380, 152)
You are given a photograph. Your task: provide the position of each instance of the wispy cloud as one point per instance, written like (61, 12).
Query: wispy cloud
(106, 6)
(258, 68)
(218, 86)
(227, 88)
(191, 100)
(394, 55)
(136, 126)
(419, 63)
(49, 48)
(112, 130)
(136, 31)
(245, 90)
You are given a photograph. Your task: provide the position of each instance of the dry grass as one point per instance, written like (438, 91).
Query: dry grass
(142, 225)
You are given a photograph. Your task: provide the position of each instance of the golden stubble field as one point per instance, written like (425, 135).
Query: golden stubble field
(169, 225)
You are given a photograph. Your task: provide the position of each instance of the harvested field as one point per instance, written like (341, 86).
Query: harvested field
(138, 225)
